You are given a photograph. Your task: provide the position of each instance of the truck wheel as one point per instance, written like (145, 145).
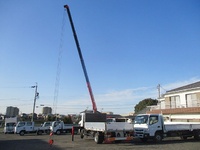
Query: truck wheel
(197, 135)
(21, 133)
(158, 138)
(183, 137)
(99, 138)
(39, 132)
(58, 132)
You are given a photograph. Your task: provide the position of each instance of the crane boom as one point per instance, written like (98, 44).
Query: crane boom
(81, 59)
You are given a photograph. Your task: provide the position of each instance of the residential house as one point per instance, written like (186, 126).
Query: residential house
(180, 104)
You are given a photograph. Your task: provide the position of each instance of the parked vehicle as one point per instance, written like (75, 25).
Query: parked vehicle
(152, 126)
(45, 127)
(29, 127)
(10, 124)
(59, 127)
(97, 126)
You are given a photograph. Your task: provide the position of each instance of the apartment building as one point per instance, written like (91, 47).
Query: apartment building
(12, 111)
(46, 110)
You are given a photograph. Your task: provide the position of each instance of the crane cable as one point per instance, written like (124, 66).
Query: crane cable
(60, 51)
(57, 81)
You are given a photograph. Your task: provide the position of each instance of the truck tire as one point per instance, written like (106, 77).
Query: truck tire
(39, 132)
(184, 137)
(21, 133)
(158, 137)
(58, 132)
(99, 138)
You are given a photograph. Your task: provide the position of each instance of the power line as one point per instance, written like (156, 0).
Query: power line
(15, 87)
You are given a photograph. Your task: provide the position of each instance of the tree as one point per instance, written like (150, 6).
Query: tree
(50, 118)
(67, 119)
(144, 103)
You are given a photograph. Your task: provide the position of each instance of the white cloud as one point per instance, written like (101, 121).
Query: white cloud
(117, 101)
(123, 101)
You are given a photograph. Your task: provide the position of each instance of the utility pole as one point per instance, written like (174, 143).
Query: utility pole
(35, 97)
(158, 87)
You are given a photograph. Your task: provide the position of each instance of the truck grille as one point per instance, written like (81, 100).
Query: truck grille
(139, 131)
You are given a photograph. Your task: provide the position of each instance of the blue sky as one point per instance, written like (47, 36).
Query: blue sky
(129, 47)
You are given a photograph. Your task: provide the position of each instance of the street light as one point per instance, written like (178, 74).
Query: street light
(35, 97)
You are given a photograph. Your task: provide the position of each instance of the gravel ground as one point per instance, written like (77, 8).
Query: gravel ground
(64, 142)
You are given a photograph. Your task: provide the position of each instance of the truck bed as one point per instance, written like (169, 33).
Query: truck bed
(95, 126)
(119, 126)
(111, 126)
(174, 126)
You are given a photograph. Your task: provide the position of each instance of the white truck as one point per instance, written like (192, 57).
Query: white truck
(29, 127)
(152, 126)
(59, 127)
(102, 130)
(45, 127)
(10, 124)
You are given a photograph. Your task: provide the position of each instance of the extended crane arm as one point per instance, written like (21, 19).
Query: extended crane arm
(81, 59)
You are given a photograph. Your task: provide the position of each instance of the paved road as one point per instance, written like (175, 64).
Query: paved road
(64, 142)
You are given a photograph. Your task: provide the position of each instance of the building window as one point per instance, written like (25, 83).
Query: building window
(191, 100)
(175, 102)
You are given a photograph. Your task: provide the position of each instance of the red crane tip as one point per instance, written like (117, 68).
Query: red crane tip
(66, 6)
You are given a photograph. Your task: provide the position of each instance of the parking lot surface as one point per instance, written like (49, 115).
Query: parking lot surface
(64, 142)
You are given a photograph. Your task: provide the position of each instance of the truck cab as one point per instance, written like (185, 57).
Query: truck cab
(45, 127)
(9, 127)
(10, 124)
(59, 127)
(149, 126)
(24, 127)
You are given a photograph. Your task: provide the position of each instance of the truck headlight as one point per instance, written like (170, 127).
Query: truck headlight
(146, 130)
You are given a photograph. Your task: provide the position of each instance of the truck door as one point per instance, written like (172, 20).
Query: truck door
(154, 124)
(29, 126)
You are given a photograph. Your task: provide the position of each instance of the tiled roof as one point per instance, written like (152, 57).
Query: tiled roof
(186, 87)
(189, 110)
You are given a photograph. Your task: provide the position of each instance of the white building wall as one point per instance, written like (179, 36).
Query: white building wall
(182, 96)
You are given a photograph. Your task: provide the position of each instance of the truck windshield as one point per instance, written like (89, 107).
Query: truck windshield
(10, 124)
(56, 123)
(20, 124)
(141, 119)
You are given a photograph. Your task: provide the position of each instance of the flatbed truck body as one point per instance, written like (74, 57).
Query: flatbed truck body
(152, 126)
(96, 126)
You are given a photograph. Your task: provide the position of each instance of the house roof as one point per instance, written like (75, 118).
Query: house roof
(189, 110)
(186, 87)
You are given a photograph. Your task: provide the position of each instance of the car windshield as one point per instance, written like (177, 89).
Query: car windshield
(141, 119)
